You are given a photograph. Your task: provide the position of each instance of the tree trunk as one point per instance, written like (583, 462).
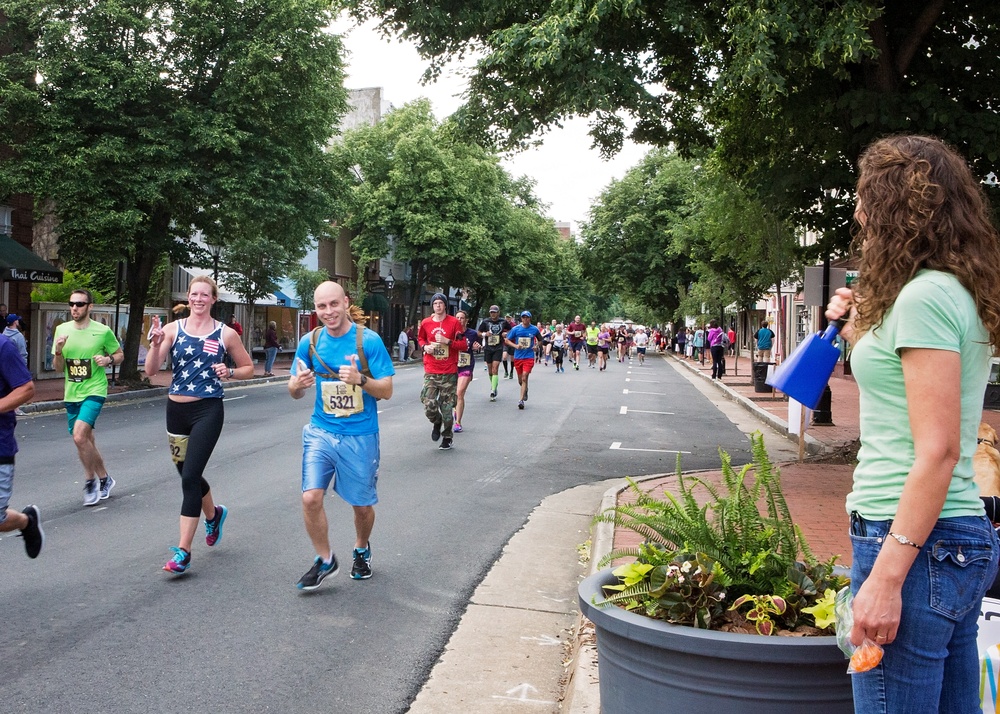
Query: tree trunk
(138, 273)
(418, 291)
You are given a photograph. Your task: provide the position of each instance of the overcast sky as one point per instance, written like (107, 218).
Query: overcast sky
(569, 174)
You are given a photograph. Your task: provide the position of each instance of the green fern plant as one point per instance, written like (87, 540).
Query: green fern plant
(740, 531)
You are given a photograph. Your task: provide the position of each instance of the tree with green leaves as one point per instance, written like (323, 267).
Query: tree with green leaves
(144, 122)
(739, 247)
(629, 246)
(787, 93)
(61, 292)
(251, 266)
(443, 204)
(306, 281)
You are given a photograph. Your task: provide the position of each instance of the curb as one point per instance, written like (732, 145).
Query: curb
(135, 395)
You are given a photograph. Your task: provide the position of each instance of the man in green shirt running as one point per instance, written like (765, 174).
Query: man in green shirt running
(82, 349)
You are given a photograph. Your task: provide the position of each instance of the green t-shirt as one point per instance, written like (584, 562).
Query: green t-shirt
(83, 377)
(933, 311)
(592, 333)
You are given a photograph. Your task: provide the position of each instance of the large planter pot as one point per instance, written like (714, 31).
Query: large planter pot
(651, 666)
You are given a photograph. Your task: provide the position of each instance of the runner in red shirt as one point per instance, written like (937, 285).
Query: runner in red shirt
(577, 330)
(442, 338)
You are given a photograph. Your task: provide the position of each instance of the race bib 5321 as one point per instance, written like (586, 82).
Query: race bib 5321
(341, 399)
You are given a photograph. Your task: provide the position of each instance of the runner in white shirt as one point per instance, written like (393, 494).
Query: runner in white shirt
(641, 340)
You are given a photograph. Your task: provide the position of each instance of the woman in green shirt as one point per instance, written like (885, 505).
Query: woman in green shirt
(924, 318)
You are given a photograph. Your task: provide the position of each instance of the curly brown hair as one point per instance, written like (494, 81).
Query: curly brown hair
(919, 207)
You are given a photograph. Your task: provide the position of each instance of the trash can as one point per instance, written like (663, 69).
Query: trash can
(759, 375)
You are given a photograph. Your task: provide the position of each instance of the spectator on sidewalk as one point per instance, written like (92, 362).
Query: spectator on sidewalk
(765, 340)
(13, 333)
(924, 319)
(717, 350)
(271, 347)
(411, 335)
(403, 340)
(699, 345)
(233, 323)
(238, 329)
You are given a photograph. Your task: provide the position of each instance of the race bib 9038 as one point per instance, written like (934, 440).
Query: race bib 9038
(78, 370)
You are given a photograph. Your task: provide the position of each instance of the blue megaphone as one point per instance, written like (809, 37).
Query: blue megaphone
(807, 370)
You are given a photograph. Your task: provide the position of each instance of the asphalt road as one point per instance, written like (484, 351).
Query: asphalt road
(94, 625)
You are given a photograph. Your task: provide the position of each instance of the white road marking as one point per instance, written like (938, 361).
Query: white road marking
(624, 410)
(658, 394)
(233, 399)
(645, 411)
(617, 446)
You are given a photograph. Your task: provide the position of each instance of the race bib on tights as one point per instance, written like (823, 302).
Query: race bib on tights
(178, 444)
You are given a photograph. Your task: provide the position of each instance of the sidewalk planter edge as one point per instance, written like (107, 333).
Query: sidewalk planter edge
(647, 665)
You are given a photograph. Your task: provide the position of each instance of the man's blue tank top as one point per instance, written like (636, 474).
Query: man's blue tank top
(193, 358)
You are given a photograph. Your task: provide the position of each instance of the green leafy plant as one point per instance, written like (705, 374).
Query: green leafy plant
(763, 606)
(710, 544)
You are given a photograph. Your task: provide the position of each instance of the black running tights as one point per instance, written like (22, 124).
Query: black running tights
(201, 422)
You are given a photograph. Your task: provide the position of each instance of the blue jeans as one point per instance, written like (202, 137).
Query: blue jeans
(269, 354)
(933, 664)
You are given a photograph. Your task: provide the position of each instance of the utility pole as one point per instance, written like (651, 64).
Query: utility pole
(822, 414)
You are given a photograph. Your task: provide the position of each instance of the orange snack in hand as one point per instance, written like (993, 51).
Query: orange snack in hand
(865, 657)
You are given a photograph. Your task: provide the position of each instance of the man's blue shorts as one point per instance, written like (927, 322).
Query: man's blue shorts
(350, 462)
(87, 411)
